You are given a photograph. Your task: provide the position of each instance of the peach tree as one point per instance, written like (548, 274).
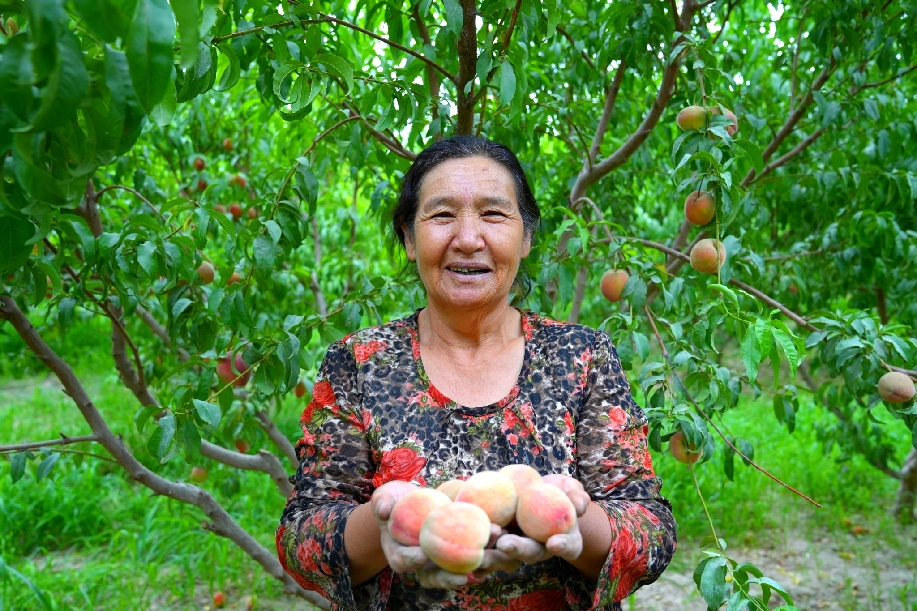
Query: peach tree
(209, 179)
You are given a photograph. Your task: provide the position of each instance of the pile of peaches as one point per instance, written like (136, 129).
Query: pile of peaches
(452, 522)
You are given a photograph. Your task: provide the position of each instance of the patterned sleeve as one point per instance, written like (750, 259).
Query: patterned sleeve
(614, 465)
(334, 476)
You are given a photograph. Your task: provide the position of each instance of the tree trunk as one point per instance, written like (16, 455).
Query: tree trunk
(907, 491)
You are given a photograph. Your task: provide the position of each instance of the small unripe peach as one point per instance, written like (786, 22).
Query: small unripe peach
(692, 117)
(493, 492)
(236, 277)
(543, 511)
(410, 511)
(896, 387)
(612, 284)
(206, 272)
(451, 488)
(700, 207)
(454, 536)
(522, 476)
(708, 255)
(682, 451)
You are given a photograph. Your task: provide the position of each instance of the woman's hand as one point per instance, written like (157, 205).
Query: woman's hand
(568, 546)
(404, 558)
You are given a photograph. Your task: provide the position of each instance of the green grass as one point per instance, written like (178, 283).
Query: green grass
(89, 538)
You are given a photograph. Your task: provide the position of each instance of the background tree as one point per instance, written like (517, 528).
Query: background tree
(147, 145)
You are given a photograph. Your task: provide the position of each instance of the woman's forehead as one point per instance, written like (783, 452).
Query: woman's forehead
(474, 177)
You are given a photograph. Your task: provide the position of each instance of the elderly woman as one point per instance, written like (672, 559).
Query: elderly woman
(468, 384)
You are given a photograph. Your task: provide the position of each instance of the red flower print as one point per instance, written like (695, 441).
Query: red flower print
(438, 397)
(513, 438)
(511, 421)
(399, 464)
(362, 352)
(323, 394)
(542, 600)
(628, 563)
(307, 413)
(617, 417)
(361, 422)
(568, 422)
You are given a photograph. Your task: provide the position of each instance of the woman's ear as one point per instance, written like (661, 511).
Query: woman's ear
(409, 243)
(526, 245)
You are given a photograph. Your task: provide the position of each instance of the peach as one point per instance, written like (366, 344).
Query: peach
(896, 387)
(730, 129)
(522, 476)
(700, 207)
(708, 255)
(206, 272)
(493, 492)
(410, 511)
(454, 536)
(692, 117)
(451, 487)
(612, 284)
(545, 510)
(683, 452)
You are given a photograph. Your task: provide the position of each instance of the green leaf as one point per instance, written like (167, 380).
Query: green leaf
(507, 83)
(142, 416)
(454, 17)
(208, 412)
(231, 75)
(163, 112)
(162, 437)
(188, 15)
(872, 108)
(16, 76)
(265, 255)
(149, 51)
(189, 438)
(751, 354)
(107, 19)
(788, 345)
(14, 252)
(336, 66)
(712, 582)
(66, 86)
(17, 466)
(44, 469)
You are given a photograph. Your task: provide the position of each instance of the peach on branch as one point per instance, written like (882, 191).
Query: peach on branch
(451, 488)
(206, 272)
(238, 373)
(236, 277)
(896, 387)
(199, 164)
(227, 144)
(235, 210)
(612, 284)
(410, 511)
(700, 207)
(454, 536)
(545, 510)
(708, 256)
(682, 451)
(493, 492)
(198, 475)
(692, 117)
(730, 129)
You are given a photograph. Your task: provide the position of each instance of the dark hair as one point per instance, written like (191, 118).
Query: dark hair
(461, 147)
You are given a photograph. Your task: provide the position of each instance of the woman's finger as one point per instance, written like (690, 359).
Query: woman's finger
(524, 549)
(568, 546)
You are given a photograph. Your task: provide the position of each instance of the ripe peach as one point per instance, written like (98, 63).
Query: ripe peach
(206, 272)
(896, 387)
(612, 284)
(730, 129)
(236, 277)
(451, 488)
(522, 476)
(545, 510)
(230, 375)
(700, 207)
(708, 256)
(454, 536)
(682, 451)
(493, 492)
(235, 210)
(410, 511)
(692, 117)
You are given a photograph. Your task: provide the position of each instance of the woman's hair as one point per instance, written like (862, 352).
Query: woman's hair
(461, 147)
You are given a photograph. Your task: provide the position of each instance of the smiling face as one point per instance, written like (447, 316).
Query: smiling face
(468, 236)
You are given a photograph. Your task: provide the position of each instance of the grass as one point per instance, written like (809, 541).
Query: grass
(89, 538)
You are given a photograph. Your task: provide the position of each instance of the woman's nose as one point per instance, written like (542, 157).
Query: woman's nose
(468, 236)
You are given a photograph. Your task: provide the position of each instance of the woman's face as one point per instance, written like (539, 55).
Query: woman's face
(468, 236)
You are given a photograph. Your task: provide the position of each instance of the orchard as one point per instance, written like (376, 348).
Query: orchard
(728, 189)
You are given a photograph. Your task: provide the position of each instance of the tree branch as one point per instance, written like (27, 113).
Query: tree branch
(432, 77)
(889, 79)
(566, 35)
(274, 434)
(703, 414)
(34, 445)
(799, 148)
(611, 97)
(185, 493)
(263, 461)
(467, 47)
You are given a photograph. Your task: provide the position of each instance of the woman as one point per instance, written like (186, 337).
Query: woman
(468, 384)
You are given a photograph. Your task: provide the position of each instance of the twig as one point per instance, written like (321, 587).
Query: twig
(889, 79)
(566, 35)
(64, 440)
(611, 97)
(703, 414)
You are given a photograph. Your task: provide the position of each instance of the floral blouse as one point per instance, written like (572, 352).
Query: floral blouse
(375, 417)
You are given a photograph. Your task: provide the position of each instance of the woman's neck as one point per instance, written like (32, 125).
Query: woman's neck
(464, 332)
